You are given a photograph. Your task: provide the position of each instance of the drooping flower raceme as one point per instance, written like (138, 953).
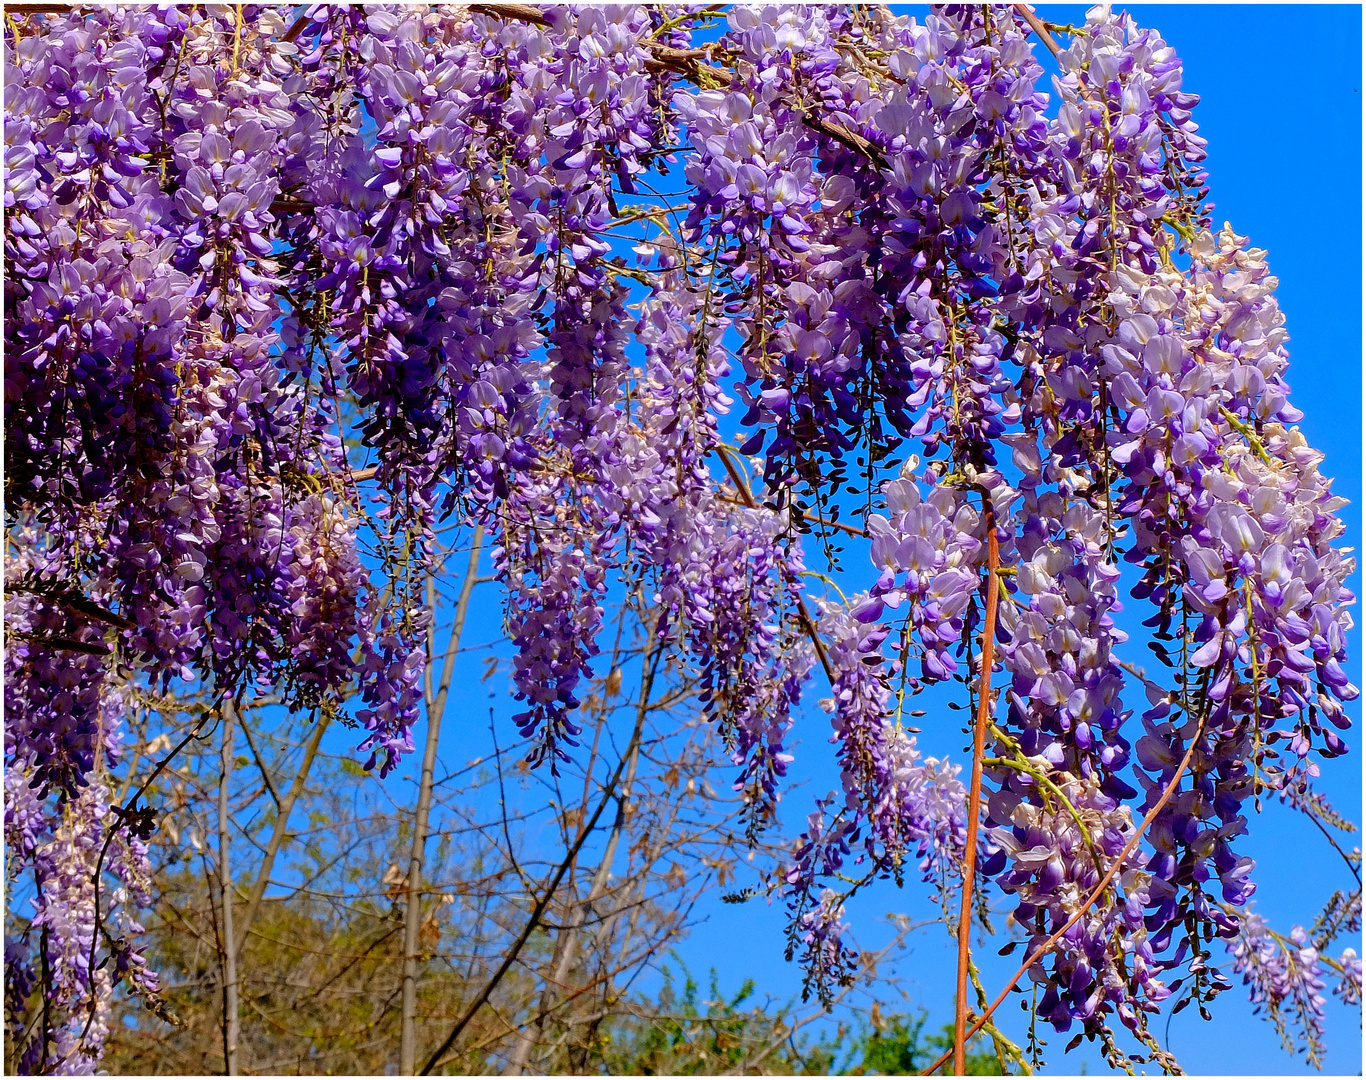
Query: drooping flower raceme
(902, 805)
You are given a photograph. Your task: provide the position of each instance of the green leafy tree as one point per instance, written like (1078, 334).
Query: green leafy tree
(898, 1047)
(680, 1033)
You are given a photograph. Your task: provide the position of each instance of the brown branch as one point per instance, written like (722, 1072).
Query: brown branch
(294, 31)
(228, 978)
(285, 205)
(1096, 893)
(849, 139)
(667, 54)
(852, 530)
(979, 739)
(685, 62)
(1036, 24)
(64, 644)
(73, 601)
(521, 12)
(535, 919)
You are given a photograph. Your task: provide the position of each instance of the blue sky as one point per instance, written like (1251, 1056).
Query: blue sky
(1281, 107)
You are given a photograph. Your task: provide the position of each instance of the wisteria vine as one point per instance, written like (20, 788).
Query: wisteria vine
(239, 240)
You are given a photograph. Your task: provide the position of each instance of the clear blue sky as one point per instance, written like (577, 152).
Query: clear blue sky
(1281, 107)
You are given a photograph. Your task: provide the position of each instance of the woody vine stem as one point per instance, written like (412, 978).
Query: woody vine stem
(985, 701)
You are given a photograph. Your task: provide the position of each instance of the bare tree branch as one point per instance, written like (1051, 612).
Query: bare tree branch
(231, 1020)
(515, 950)
(277, 837)
(436, 707)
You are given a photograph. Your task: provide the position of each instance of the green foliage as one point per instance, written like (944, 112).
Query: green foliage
(895, 1049)
(681, 1034)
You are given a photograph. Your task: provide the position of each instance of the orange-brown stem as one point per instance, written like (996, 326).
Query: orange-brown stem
(979, 738)
(1036, 24)
(1096, 894)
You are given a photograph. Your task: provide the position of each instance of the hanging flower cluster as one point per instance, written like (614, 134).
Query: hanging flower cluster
(1287, 975)
(247, 245)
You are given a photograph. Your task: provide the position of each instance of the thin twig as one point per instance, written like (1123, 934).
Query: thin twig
(509, 1029)
(870, 960)
(511, 957)
(279, 833)
(565, 937)
(261, 764)
(122, 814)
(802, 515)
(436, 708)
(1309, 813)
